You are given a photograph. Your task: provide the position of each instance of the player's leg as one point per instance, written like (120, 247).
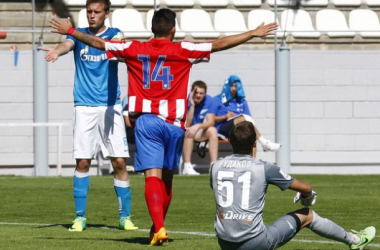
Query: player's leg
(174, 137)
(114, 145)
(149, 158)
(210, 134)
(85, 144)
(328, 229)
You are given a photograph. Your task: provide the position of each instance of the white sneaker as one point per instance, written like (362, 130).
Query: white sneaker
(189, 170)
(270, 146)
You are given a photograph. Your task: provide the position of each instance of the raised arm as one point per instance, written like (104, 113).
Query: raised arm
(303, 187)
(67, 29)
(61, 49)
(232, 41)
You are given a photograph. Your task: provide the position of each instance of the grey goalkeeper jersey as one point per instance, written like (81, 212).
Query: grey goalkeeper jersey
(240, 183)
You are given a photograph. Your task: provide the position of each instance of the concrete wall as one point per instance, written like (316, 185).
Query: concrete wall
(335, 105)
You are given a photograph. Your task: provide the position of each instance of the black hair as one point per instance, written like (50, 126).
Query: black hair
(243, 137)
(163, 21)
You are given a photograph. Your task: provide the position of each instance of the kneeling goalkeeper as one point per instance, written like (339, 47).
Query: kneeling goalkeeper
(240, 183)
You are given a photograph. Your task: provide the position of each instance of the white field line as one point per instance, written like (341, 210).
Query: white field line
(181, 232)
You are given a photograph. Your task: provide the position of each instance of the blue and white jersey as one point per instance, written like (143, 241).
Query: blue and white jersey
(96, 81)
(209, 105)
(233, 106)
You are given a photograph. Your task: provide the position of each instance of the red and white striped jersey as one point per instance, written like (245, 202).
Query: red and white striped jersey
(158, 75)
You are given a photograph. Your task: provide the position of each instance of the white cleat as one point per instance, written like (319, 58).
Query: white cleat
(189, 170)
(270, 146)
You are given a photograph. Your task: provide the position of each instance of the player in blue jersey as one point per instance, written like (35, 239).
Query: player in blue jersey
(240, 183)
(235, 109)
(200, 125)
(98, 120)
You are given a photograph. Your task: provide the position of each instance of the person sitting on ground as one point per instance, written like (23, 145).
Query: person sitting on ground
(235, 110)
(240, 182)
(200, 125)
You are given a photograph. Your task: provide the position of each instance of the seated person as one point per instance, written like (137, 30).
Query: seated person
(234, 110)
(240, 182)
(200, 125)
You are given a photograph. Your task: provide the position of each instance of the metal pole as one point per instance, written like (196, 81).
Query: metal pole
(33, 22)
(283, 106)
(40, 108)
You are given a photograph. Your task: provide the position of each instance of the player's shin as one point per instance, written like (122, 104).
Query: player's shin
(154, 201)
(124, 196)
(81, 185)
(328, 229)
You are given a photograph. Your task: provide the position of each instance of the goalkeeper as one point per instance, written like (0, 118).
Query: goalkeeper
(239, 183)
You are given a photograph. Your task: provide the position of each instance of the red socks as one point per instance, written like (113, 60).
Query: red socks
(167, 193)
(158, 195)
(154, 199)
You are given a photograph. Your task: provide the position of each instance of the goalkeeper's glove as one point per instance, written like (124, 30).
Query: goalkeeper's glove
(306, 201)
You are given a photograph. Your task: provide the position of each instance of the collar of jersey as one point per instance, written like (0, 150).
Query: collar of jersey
(160, 40)
(99, 34)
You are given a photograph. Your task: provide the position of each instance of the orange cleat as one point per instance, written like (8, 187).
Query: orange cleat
(160, 237)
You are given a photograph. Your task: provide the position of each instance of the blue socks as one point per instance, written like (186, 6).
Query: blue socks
(124, 196)
(81, 185)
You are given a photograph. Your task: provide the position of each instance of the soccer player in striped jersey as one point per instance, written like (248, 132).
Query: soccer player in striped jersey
(158, 75)
(240, 182)
(98, 121)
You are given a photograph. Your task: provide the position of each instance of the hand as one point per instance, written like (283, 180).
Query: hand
(191, 131)
(191, 97)
(59, 27)
(306, 201)
(265, 30)
(51, 55)
(230, 114)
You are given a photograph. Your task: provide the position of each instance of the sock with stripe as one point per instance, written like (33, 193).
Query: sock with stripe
(154, 200)
(81, 185)
(124, 197)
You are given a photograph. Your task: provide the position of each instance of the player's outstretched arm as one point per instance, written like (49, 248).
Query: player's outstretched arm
(61, 49)
(232, 41)
(67, 29)
(300, 186)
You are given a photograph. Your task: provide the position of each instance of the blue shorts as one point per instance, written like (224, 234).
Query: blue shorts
(158, 143)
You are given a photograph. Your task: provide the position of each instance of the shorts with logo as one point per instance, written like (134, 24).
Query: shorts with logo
(99, 128)
(275, 235)
(158, 143)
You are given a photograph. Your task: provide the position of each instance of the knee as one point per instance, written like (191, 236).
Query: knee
(118, 164)
(212, 133)
(83, 165)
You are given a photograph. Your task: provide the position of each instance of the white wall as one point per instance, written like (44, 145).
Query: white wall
(335, 103)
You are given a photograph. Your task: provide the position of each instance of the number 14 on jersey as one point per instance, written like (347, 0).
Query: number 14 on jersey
(160, 73)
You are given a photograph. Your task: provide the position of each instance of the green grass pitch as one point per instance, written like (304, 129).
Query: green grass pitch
(36, 212)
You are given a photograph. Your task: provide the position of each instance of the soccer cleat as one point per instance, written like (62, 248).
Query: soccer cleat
(127, 224)
(80, 224)
(366, 236)
(160, 237)
(189, 170)
(270, 146)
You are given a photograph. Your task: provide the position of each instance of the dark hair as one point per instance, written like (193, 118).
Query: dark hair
(107, 3)
(163, 21)
(243, 137)
(199, 84)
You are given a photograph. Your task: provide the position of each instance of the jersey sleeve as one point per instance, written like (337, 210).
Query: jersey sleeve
(119, 35)
(116, 50)
(196, 52)
(214, 106)
(246, 108)
(274, 175)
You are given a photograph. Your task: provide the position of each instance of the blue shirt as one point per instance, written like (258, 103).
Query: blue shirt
(208, 106)
(96, 82)
(233, 106)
